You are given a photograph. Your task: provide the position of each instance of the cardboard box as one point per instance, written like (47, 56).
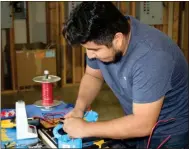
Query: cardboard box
(32, 63)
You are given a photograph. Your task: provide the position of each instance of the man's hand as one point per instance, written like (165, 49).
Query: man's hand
(75, 127)
(74, 113)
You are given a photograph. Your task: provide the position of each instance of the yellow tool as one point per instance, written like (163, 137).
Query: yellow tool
(7, 123)
(99, 143)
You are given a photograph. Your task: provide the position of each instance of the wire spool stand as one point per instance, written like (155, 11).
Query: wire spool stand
(47, 102)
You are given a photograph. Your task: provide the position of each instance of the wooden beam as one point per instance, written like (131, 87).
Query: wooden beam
(170, 19)
(182, 27)
(165, 17)
(186, 30)
(13, 54)
(123, 7)
(78, 64)
(47, 21)
(27, 23)
(175, 27)
(58, 46)
(2, 64)
(8, 92)
(63, 45)
(133, 8)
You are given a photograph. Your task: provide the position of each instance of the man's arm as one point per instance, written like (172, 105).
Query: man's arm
(90, 86)
(138, 124)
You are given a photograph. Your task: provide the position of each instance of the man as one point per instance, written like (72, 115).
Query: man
(144, 68)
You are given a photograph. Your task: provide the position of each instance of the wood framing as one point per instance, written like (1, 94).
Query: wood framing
(47, 22)
(175, 25)
(27, 23)
(170, 19)
(133, 8)
(8, 92)
(186, 30)
(123, 7)
(2, 65)
(63, 44)
(165, 17)
(12, 54)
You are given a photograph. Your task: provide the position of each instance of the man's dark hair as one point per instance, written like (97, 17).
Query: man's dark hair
(95, 21)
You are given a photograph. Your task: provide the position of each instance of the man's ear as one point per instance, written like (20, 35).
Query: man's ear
(118, 39)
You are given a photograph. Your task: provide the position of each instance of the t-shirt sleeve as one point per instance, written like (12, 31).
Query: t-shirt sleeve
(92, 63)
(151, 77)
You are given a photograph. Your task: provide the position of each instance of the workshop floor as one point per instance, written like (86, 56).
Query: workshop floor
(105, 104)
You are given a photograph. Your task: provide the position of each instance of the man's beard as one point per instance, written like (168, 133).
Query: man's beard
(117, 57)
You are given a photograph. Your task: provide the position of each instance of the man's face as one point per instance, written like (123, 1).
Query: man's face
(103, 53)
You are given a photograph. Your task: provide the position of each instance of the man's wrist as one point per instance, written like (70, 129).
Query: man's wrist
(80, 106)
(87, 130)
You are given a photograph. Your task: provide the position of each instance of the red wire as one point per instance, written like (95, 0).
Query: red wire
(153, 131)
(164, 141)
(38, 117)
(47, 94)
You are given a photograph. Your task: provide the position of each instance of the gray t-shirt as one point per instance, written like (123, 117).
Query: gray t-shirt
(153, 66)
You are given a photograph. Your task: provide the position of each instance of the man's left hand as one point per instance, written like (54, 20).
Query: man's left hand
(75, 127)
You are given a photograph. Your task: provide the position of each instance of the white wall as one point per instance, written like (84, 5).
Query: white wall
(37, 24)
(20, 31)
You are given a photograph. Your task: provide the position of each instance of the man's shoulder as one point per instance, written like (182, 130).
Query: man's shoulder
(148, 35)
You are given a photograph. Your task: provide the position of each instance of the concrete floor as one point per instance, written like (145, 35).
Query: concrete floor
(105, 104)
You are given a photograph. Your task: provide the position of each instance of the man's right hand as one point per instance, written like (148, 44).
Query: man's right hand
(75, 113)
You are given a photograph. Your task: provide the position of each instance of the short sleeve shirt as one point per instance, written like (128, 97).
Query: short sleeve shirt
(153, 66)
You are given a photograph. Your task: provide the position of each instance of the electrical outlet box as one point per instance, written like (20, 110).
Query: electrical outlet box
(6, 18)
(150, 12)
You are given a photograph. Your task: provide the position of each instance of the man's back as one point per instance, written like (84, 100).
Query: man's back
(153, 66)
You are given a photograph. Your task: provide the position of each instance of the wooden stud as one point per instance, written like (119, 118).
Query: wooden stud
(47, 21)
(133, 8)
(63, 45)
(27, 23)
(123, 7)
(13, 54)
(165, 17)
(186, 30)
(2, 65)
(175, 27)
(78, 64)
(182, 27)
(170, 19)
(65, 66)
(57, 24)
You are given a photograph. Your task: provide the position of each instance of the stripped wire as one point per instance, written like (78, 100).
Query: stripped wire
(165, 140)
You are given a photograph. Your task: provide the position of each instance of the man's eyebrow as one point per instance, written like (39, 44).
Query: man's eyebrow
(92, 49)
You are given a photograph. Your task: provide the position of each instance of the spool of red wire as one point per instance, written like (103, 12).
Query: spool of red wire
(47, 94)
(47, 81)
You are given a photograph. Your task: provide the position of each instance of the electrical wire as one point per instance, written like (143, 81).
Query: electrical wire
(47, 94)
(165, 140)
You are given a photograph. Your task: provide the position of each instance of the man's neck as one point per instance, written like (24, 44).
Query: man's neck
(126, 43)
(127, 39)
